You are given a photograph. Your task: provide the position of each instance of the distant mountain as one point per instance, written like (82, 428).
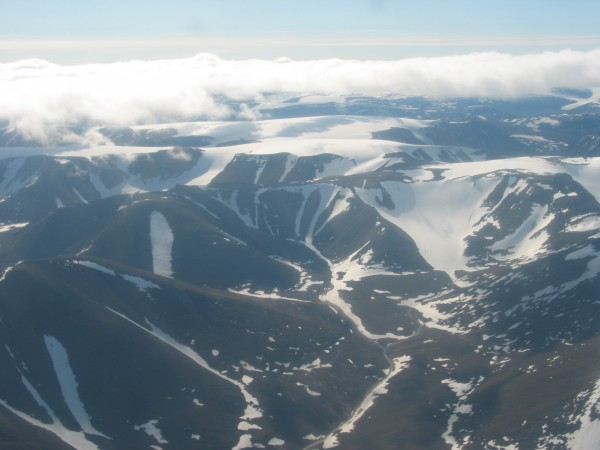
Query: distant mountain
(566, 122)
(398, 273)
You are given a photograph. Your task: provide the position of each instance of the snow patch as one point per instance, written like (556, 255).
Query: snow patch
(92, 265)
(75, 439)
(68, 384)
(316, 364)
(245, 426)
(528, 239)
(142, 284)
(244, 442)
(399, 364)
(266, 296)
(12, 226)
(585, 223)
(161, 237)
(152, 430)
(438, 215)
(462, 391)
(588, 434)
(79, 196)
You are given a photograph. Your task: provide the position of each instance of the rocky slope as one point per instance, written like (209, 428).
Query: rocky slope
(399, 273)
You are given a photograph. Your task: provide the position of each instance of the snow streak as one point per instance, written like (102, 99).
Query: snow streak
(161, 237)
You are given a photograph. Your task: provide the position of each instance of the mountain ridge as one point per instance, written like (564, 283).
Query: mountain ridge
(308, 291)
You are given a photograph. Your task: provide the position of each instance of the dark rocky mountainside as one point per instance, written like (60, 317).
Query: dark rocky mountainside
(395, 274)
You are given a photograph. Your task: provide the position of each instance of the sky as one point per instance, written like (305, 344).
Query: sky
(75, 32)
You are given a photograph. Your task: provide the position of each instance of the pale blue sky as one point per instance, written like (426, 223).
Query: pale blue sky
(68, 31)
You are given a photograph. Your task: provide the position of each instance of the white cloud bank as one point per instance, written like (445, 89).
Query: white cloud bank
(35, 94)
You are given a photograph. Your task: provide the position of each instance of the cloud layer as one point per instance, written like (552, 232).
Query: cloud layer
(36, 95)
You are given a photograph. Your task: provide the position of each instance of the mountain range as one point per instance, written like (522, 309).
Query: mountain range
(340, 272)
